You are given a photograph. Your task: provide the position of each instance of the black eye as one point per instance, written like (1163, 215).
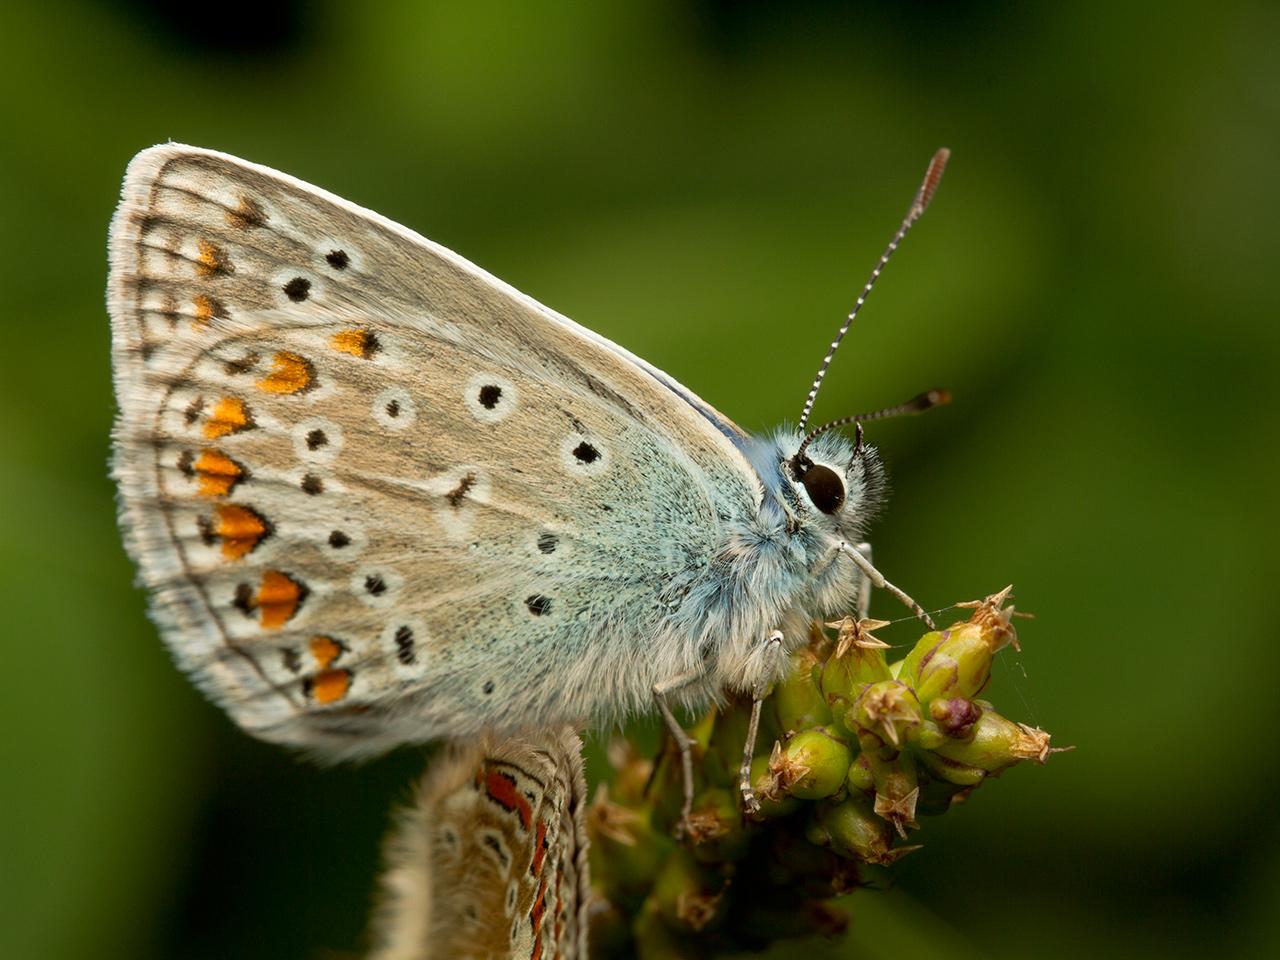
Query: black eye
(825, 488)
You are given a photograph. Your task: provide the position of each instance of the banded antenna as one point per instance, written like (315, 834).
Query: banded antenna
(917, 404)
(918, 207)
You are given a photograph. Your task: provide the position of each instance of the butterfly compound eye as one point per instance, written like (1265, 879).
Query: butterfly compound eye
(825, 488)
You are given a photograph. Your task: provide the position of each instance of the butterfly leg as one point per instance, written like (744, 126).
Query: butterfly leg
(773, 645)
(877, 579)
(661, 691)
(864, 586)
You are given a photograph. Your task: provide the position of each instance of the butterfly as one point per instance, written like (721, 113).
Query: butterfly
(380, 497)
(490, 859)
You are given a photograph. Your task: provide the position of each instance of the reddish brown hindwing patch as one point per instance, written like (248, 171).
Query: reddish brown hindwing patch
(501, 789)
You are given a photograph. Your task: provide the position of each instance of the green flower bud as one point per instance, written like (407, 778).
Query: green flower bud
(812, 765)
(852, 829)
(797, 701)
(956, 662)
(889, 709)
(996, 744)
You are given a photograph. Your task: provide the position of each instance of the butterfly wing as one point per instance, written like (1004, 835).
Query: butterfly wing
(378, 495)
(491, 860)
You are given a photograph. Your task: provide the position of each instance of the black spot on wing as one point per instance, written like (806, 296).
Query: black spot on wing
(586, 453)
(298, 289)
(405, 646)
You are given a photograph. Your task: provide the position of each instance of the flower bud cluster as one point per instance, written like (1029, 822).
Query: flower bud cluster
(852, 751)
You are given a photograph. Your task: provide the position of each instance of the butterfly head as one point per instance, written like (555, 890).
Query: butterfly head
(832, 486)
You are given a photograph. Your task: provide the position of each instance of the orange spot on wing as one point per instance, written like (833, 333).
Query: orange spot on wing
(217, 473)
(207, 308)
(358, 342)
(329, 686)
(229, 415)
(325, 650)
(240, 530)
(279, 597)
(290, 374)
(211, 259)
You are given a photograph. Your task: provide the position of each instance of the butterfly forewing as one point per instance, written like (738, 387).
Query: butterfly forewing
(491, 862)
(378, 495)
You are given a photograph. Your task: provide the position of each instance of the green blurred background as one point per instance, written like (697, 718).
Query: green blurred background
(709, 183)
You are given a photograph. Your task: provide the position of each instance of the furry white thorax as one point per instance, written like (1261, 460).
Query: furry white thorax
(777, 568)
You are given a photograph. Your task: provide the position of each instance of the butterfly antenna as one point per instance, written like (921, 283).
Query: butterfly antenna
(917, 404)
(918, 207)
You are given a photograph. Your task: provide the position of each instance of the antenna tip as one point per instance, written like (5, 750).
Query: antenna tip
(932, 177)
(921, 402)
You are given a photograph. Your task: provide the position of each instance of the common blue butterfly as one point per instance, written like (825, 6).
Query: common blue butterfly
(380, 497)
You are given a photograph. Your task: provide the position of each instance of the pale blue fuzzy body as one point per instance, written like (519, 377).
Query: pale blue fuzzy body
(768, 564)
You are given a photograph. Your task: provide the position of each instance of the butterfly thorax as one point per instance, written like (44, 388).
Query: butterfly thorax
(779, 565)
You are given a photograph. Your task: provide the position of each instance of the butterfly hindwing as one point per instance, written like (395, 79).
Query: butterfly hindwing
(491, 860)
(378, 495)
